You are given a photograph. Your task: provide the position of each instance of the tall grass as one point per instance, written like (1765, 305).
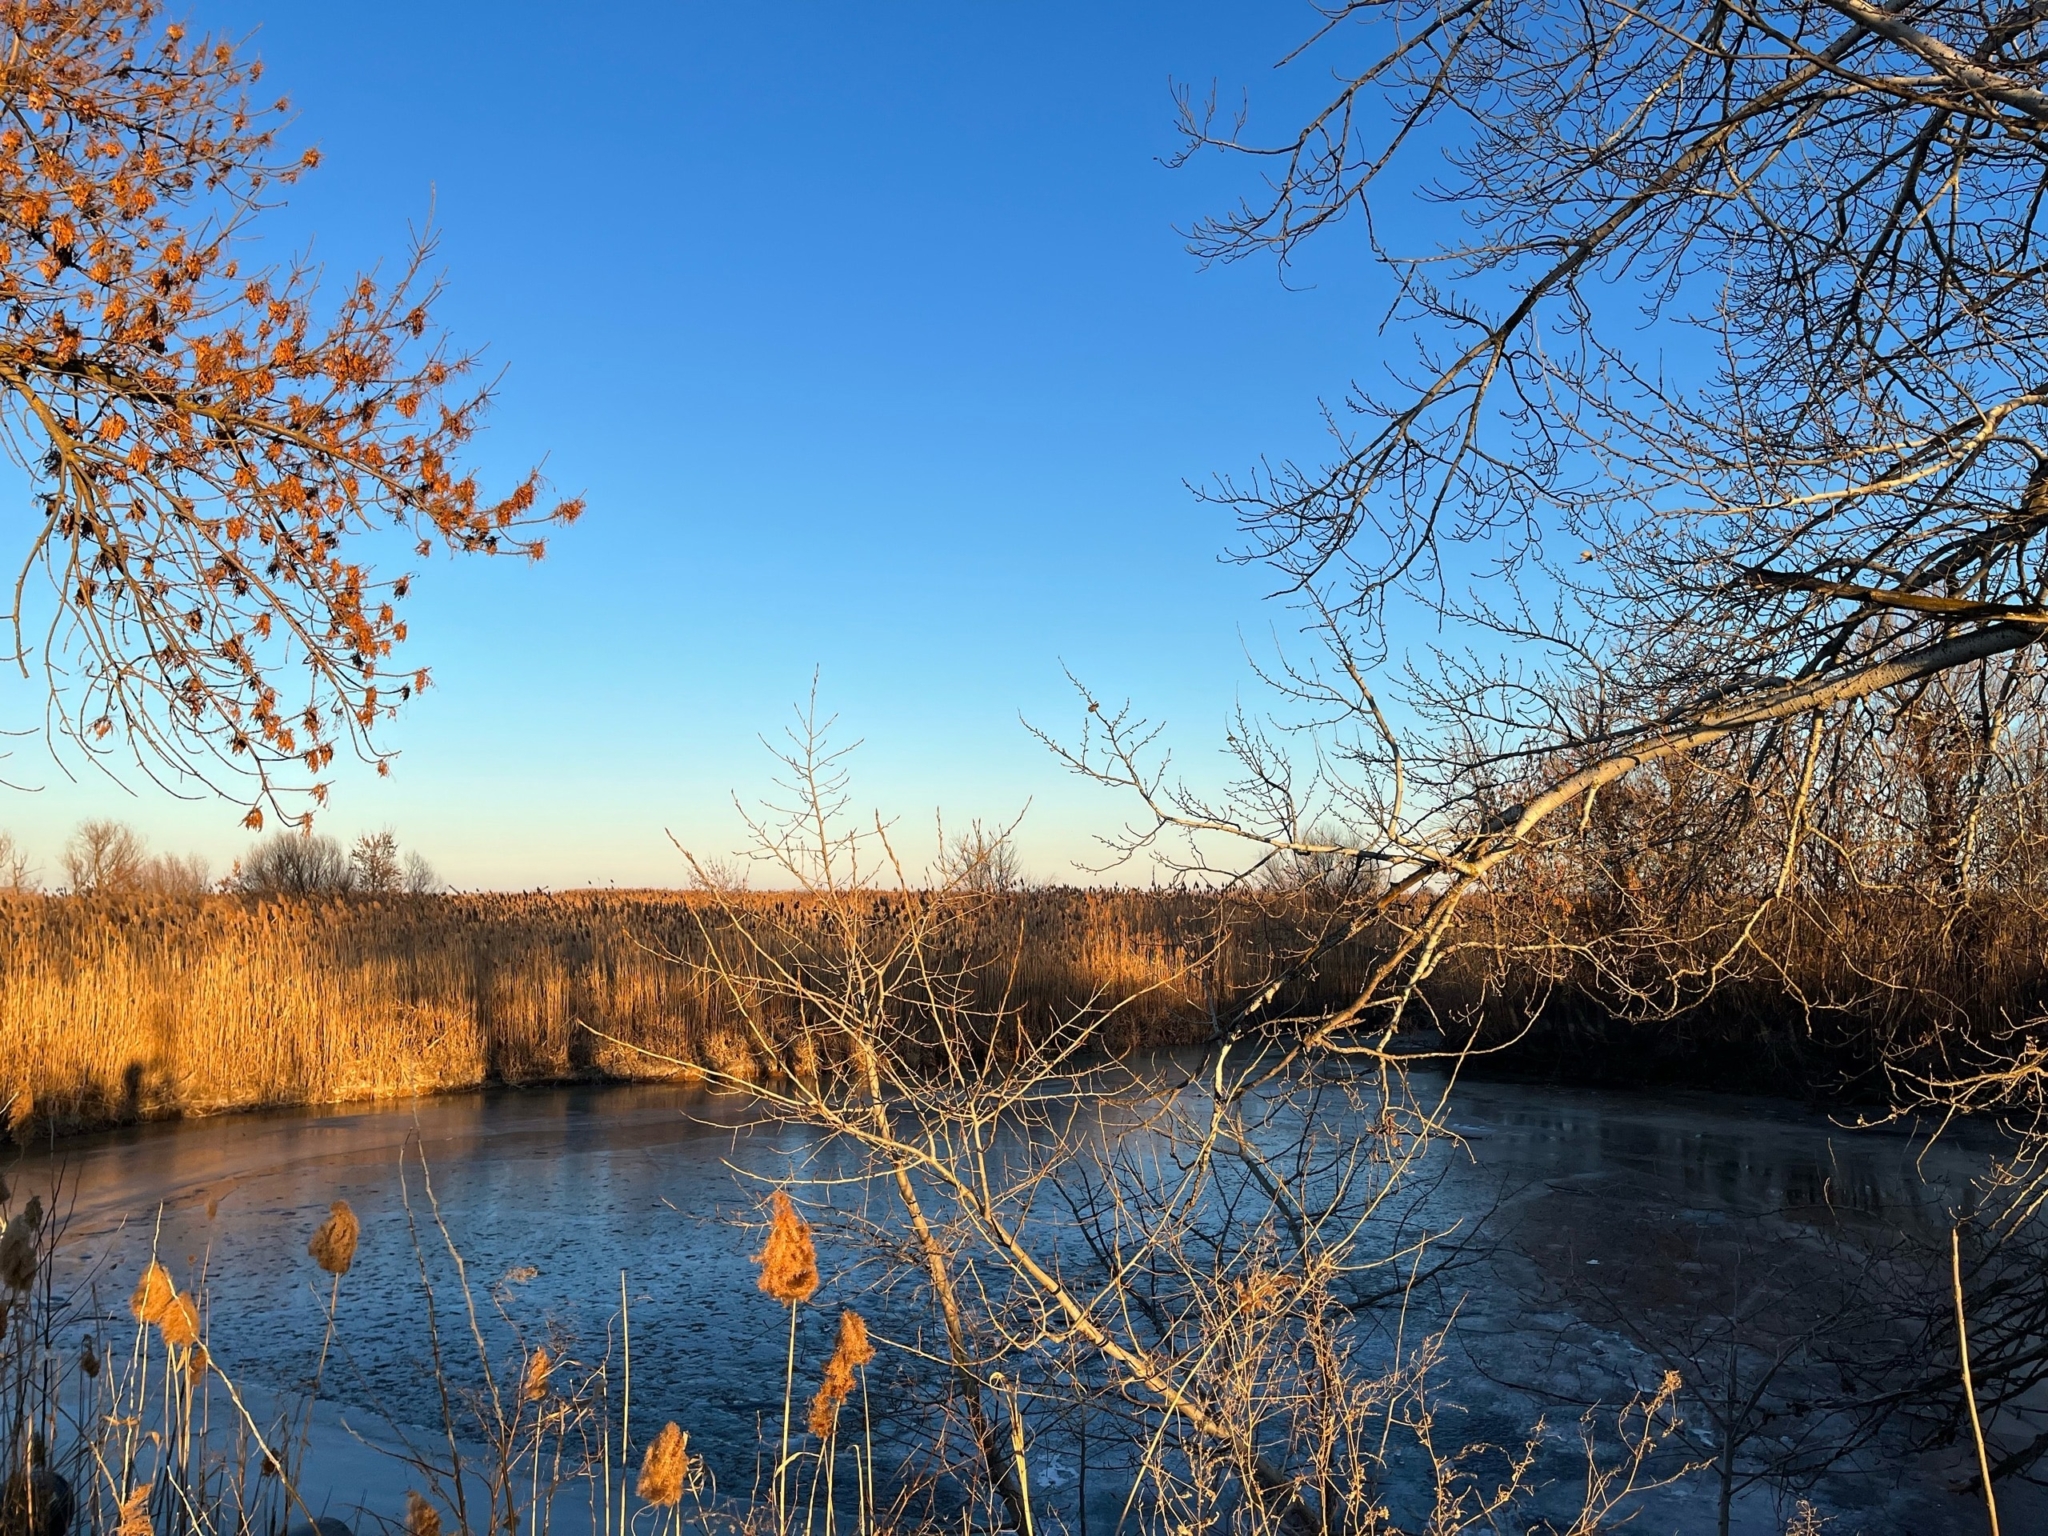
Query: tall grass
(119, 1010)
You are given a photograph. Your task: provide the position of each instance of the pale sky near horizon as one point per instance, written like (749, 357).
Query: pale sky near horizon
(869, 337)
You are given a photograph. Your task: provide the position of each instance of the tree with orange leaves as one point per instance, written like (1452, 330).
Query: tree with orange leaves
(212, 448)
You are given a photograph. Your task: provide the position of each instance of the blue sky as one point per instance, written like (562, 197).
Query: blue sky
(868, 335)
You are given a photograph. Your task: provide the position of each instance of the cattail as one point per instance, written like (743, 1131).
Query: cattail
(789, 1262)
(663, 1469)
(18, 1249)
(852, 1351)
(421, 1518)
(154, 1294)
(196, 1364)
(135, 1514)
(334, 1245)
(3, 1320)
(180, 1322)
(538, 1368)
(88, 1358)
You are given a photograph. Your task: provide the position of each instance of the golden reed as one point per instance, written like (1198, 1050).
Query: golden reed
(788, 1260)
(851, 1352)
(665, 1468)
(115, 1011)
(333, 1245)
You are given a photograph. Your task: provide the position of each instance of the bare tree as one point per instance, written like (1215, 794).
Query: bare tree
(1728, 372)
(420, 879)
(981, 859)
(17, 875)
(171, 874)
(373, 863)
(293, 864)
(105, 858)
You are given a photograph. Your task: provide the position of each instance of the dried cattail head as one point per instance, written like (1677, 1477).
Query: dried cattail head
(334, 1244)
(421, 1518)
(850, 1352)
(135, 1514)
(180, 1322)
(789, 1262)
(18, 1251)
(3, 1320)
(196, 1364)
(89, 1358)
(539, 1366)
(154, 1294)
(665, 1467)
(270, 1468)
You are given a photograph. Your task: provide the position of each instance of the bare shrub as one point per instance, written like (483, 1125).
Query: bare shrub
(293, 864)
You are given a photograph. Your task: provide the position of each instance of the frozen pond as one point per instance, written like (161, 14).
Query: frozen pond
(1603, 1237)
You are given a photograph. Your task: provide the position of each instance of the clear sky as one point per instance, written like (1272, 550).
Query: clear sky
(869, 337)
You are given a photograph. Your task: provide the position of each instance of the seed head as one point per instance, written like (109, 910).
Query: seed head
(421, 1518)
(135, 1514)
(18, 1249)
(180, 1322)
(789, 1261)
(334, 1244)
(538, 1368)
(665, 1467)
(89, 1358)
(850, 1352)
(196, 1364)
(154, 1294)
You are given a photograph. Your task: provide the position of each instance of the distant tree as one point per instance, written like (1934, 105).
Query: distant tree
(17, 876)
(420, 879)
(982, 860)
(172, 874)
(374, 865)
(212, 447)
(293, 864)
(104, 858)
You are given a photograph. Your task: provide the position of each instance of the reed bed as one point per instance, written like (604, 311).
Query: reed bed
(113, 1011)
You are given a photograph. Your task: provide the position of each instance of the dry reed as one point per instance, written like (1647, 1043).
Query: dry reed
(135, 1514)
(850, 1353)
(539, 1366)
(665, 1468)
(18, 1248)
(113, 1011)
(421, 1518)
(334, 1242)
(179, 1324)
(788, 1260)
(154, 1294)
